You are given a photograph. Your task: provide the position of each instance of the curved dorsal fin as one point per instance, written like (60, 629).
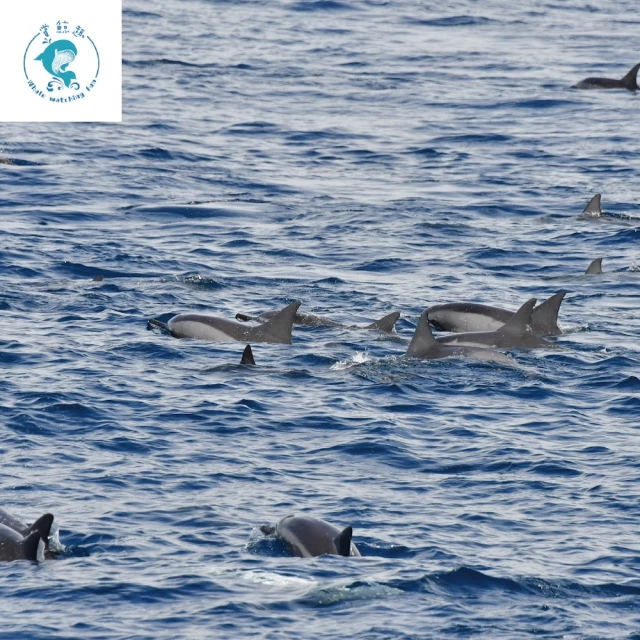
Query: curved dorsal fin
(593, 208)
(278, 328)
(43, 526)
(343, 541)
(544, 318)
(631, 79)
(30, 546)
(595, 266)
(385, 324)
(247, 356)
(521, 319)
(423, 339)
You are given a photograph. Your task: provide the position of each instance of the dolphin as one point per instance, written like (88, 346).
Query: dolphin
(515, 334)
(42, 525)
(467, 316)
(593, 209)
(595, 266)
(308, 537)
(201, 327)
(386, 324)
(424, 345)
(629, 82)
(14, 546)
(247, 356)
(56, 57)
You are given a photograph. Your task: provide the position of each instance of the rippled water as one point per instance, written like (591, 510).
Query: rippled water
(363, 157)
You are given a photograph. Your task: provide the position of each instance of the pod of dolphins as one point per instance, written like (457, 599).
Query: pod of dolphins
(477, 330)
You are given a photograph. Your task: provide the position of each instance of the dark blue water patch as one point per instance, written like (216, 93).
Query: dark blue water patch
(321, 5)
(384, 265)
(451, 21)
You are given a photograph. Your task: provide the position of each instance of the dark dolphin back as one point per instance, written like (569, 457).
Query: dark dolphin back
(278, 328)
(630, 81)
(43, 526)
(595, 266)
(343, 541)
(423, 340)
(385, 324)
(520, 320)
(247, 356)
(593, 208)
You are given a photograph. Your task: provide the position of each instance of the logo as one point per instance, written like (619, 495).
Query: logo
(61, 63)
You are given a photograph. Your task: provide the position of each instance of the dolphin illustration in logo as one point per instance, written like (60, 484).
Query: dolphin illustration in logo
(57, 57)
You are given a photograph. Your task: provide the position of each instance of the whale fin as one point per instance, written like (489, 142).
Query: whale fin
(423, 339)
(595, 266)
(520, 322)
(244, 317)
(278, 328)
(544, 318)
(29, 546)
(385, 324)
(631, 79)
(343, 541)
(247, 356)
(43, 526)
(593, 208)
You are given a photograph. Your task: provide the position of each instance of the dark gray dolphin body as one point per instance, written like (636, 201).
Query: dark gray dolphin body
(424, 345)
(42, 525)
(467, 316)
(595, 267)
(515, 334)
(14, 546)
(593, 208)
(309, 537)
(310, 320)
(629, 82)
(247, 356)
(202, 327)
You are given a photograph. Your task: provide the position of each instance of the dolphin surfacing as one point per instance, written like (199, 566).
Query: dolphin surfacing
(462, 317)
(515, 334)
(14, 546)
(42, 525)
(630, 81)
(593, 208)
(308, 537)
(202, 327)
(594, 267)
(386, 324)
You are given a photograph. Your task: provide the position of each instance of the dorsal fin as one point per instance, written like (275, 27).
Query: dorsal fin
(593, 208)
(43, 526)
(385, 324)
(343, 541)
(631, 79)
(29, 546)
(544, 318)
(278, 328)
(520, 320)
(423, 339)
(595, 266)
(247, 356)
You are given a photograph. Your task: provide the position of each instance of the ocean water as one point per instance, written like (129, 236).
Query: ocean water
(363, 157)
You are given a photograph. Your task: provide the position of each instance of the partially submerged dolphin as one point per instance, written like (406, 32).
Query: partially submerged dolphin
(467, 316)
(629, 82)
(307, 537)
(42, 525)
(247, 356)
(595, 267)
(424, 345)
(515, 334)
(593, 208)
(310, 320)
(202, 327)
(14, 546)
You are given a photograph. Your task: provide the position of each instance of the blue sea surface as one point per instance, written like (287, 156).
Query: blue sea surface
(364, 157)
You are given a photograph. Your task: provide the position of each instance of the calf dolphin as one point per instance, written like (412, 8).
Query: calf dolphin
(310, 320)
(467, 316)
(595, 267)
(424, 345)
(629, 81)
(14, 546)
(307, 537)
(593, 208)
(515, 334)
(202, 327)
(42, 525)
